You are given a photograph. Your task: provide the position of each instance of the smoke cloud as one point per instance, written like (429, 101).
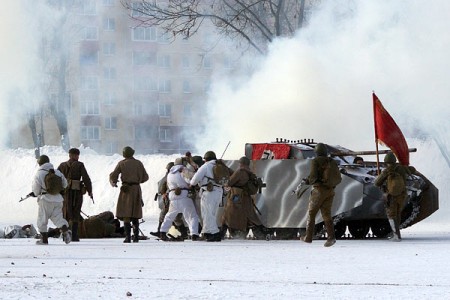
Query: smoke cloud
(319, 83)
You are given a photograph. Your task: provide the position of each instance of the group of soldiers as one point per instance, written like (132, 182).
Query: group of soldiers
(188, 179)
(64, 208)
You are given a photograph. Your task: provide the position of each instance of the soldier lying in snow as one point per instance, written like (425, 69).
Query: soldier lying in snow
(103, 225)
(17, 231)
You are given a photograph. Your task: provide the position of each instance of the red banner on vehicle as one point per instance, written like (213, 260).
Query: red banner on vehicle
(270, 151)
(388, 133)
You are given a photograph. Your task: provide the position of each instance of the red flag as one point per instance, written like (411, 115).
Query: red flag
(388, 133)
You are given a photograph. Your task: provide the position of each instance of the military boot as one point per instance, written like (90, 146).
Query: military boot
(135, 231)
(223, 231)
(331, 239)
(307, 238)
(183, 231)
(156, 233)
(66, 234)
(43, 240)
(75, 237)
(395, 231)
(163, 236)
(127, 226)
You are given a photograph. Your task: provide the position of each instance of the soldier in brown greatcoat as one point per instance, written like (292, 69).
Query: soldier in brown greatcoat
(77, 177)
(239, 213)
(129, 204)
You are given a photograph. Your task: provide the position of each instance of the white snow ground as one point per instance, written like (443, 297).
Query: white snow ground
(416, 268)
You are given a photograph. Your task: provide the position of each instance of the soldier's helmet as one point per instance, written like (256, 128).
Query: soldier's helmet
(390, 158)
(209, 155)
(128, 152)
(244, 160)
(43, 159)
(321, 149)
(74, 151)
(179, 161)
(170, 165)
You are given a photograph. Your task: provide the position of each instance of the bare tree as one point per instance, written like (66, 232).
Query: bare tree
(54, 52)
(257, 22)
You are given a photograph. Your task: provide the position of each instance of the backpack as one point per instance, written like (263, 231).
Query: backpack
(331, 175)
(53, 183)
(395, 183)
(254, 183)
(221, 173)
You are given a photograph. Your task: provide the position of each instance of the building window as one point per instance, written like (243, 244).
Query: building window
(111, 147)
(186, 86)
(147, 34)
(90, 34)
(109, 24)
(108, 2)
(207, 86)
(227, 64)
(187, 110)
(89, 108)
(164, 38)
(89, 83)
(109, 98)
(136, 9)
(185, 63)
(145, 132)
(145, 84)
(207, 63)
(88, 58)
(164, 110)
(88, 7)
(145, 109)
(109, 73)
(111, 123)
(141, 58)
(90, 133)
(109, 48)
(165, 135)
(164, 86)
(164, 61)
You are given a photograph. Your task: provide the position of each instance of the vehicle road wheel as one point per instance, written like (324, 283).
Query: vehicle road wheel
(380, 228)
(358, 229)
(286, 233)
(339, 229)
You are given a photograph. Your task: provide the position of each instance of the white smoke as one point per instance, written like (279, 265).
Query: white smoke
(319, 83)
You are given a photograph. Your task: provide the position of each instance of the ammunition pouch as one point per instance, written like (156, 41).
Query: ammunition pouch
(76, 185)
(178, 191)
(125, 188)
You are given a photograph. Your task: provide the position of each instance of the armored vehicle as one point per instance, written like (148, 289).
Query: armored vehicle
(358, 207)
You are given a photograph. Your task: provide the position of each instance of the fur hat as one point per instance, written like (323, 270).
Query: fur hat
(128, 152)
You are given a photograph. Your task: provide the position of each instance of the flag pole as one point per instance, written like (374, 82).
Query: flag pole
(376, 136)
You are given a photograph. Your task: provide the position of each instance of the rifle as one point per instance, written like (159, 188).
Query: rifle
(27, 196)
(225, 149)
(301, 188)
(256, 208)
(144, 237)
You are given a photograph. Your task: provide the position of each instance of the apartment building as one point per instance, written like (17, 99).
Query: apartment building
(131, 85)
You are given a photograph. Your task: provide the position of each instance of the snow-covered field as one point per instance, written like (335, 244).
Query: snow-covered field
(417, 268)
